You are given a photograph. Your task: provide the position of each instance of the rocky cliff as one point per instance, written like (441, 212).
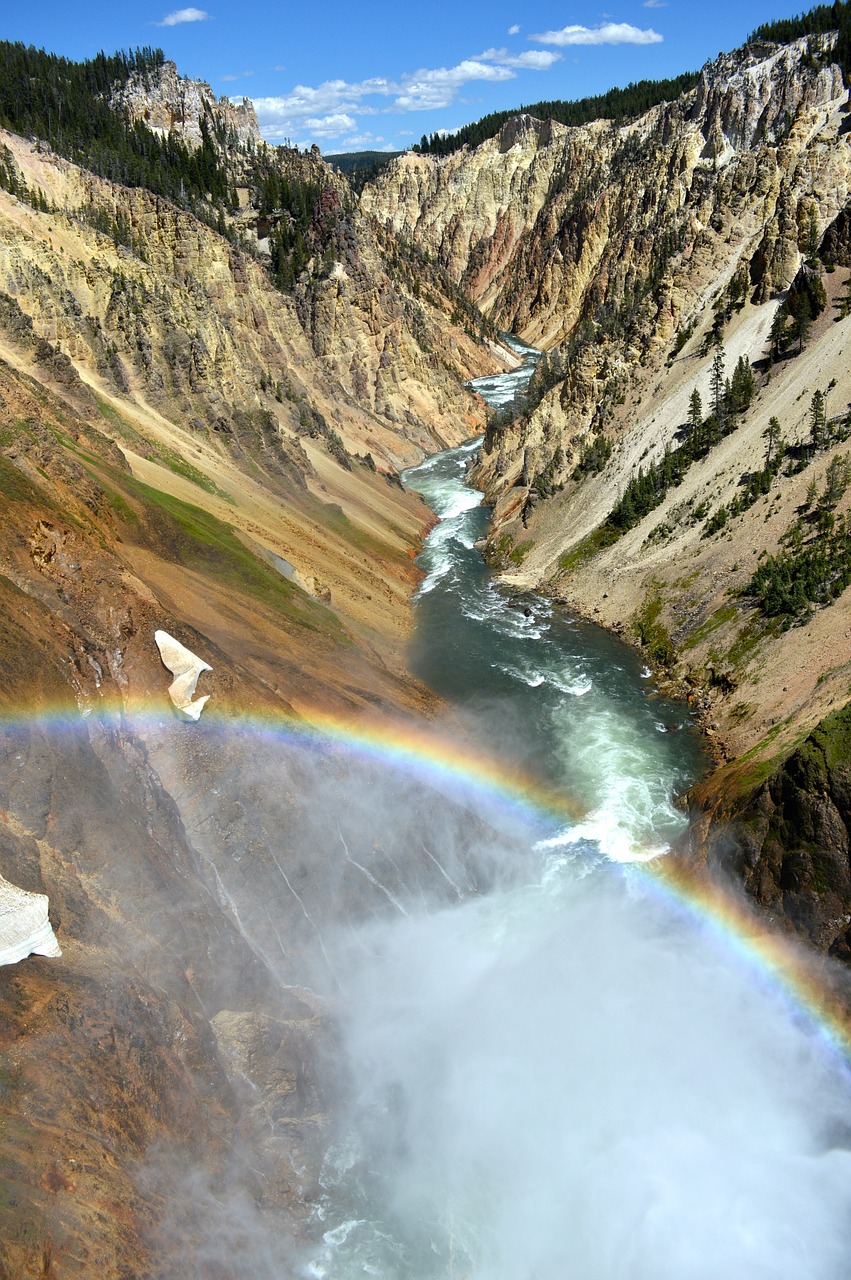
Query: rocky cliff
(170, 103)
(547, 225)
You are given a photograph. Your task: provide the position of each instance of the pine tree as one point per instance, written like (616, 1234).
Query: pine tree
(771, 435)
(695, 415)
(777, 337)
(811, 244)
(803, 318)
(741, 386)
(818, 421)
(716, 385)
(836, 480)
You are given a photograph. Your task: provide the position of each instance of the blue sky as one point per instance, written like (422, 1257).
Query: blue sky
(349, 77)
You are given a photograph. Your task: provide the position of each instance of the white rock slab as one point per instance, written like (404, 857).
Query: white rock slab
(186, 667)
(24, 927)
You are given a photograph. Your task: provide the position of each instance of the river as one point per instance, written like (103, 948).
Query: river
(562, 1077)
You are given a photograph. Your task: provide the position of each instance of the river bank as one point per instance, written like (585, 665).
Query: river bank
(763, 695)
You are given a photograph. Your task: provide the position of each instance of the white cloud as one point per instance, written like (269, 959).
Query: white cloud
(183, 15)
(605, 33)
(366, 140)
(531, 60)
(515, 30)
(654, 4)
(429, 88)
(332, 126)
(240, 75)
(426, 89)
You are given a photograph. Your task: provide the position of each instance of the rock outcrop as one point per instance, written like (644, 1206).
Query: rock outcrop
(25, 929)
(603, 241)
(788, 839)
(186, 667)
(169, 103)
(166, 311)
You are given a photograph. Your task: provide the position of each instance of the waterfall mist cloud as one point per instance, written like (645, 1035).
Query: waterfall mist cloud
(539, 1067)
(564, 1080)
(529, 1065)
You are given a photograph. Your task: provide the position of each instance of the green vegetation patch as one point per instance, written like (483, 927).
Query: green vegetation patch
(333, 517)
(191, 537)
(161, 453)
(747, 641)
(758, 747)
(588, 547)
(17, 487)
(807, 576)
(832, 739)
(519, 553)
(725, 614)
(203, 543)
(510, 553)
(178, 464)
(361, 167)
(652, 634)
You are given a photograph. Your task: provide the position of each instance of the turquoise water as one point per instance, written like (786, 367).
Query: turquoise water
(565, 699)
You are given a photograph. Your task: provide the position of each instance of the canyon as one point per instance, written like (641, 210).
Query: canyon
(188, 448)
(636, 254)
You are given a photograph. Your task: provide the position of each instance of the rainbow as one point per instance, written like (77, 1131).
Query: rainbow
(778, 962)
(774, 959)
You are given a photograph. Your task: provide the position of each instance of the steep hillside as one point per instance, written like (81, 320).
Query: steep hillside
(160, 1108)
(284, 412)
(204, 403)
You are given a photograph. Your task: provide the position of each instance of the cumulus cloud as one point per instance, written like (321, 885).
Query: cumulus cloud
(531, 60)
(183, 15)
(330, 126)
(604, 33)
(428, 88)
(368, 140)
(514, 30)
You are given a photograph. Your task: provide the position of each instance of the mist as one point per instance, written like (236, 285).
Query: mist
(563, 1080)
(483, 1048)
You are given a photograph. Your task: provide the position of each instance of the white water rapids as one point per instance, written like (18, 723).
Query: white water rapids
(565, 1078)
